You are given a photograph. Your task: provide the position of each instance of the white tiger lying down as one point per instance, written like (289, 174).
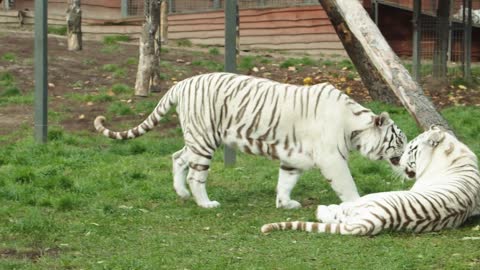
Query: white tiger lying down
(445, 194)
(302, 126)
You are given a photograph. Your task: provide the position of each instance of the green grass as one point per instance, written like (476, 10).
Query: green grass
(328, 63)
(89, 62)
(208, 64)
(122, 89)
(10, 57)
(119, 108)
(111, 48)
(132, 61)
(183, 43)
(247, 63)
(101, 96)
(115, 70)
(57, 30)
(304, 61)
(214, 51)
(114, 39)
(10, 93)
(83, 201)
(346, 64)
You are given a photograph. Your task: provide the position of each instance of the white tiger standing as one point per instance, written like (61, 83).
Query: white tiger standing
(302, 126)
(445, 194)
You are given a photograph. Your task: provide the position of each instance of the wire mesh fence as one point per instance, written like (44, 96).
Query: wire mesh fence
(7, 4)
(443, 40)
(135, 7)
(187, 6)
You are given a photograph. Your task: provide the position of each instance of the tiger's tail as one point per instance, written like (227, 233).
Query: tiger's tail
(148, 124)
(307, 226)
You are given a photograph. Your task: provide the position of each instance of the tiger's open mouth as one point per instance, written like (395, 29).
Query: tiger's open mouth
(395, 160)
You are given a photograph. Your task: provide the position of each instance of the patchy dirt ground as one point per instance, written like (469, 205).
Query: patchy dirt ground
(85, 72)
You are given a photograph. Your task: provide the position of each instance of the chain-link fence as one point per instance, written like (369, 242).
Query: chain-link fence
(135, 7)
(444, 40)
(7, 4)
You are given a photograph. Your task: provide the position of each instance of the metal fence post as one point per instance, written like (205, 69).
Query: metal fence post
(417, 35)
(41, 65)
(231, 24)
(171, 6)
(375, 11)
(467, 72)
(216, 4)
(124, 8)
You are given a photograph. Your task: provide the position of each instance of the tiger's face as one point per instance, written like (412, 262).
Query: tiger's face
(382, 141)
(417, 155)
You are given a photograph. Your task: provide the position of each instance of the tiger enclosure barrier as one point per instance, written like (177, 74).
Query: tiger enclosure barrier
(381, 70)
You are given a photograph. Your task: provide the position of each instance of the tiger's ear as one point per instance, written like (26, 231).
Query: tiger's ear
(435, 137)
(381, 119)
(435, 127)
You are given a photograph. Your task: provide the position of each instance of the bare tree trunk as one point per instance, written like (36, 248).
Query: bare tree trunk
(441, 43)
(148, 63)
(379, 67)
(164, 22)
(156, 80)
(74, 26)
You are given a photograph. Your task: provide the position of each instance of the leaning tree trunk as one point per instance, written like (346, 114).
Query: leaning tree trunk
(148, 62)
(74, 26)
(379, 67)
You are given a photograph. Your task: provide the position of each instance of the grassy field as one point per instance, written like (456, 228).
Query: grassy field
(83, 201)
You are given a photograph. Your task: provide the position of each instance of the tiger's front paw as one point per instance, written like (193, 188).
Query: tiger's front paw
(209, 204)
(288, 204)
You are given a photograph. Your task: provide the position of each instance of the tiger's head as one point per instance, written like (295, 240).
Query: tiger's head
(417, 150)
(381, 140)
(434, 150)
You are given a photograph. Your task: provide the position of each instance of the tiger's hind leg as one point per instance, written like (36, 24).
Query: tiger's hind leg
(287, 178)
(180, 170)
(197, 180)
